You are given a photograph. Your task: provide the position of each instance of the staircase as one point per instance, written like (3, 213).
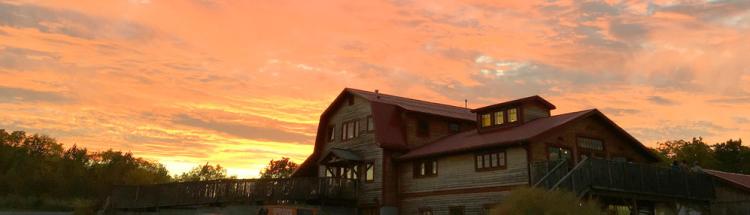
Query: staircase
(597, 176)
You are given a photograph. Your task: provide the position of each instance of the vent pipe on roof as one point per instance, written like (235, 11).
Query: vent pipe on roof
(377, 93)
(466, 103)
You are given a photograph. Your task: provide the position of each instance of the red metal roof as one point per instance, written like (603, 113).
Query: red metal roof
(417, 105)
(471, 140)
(535, 98)
(740, 180)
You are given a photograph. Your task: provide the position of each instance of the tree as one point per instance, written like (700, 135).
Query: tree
(282, 168)
(732, 156)
(538, 201)
(204, 172)
(688, 151)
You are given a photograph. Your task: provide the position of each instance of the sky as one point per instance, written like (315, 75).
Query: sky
(239, 83)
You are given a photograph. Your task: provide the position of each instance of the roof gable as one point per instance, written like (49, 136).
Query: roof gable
(473, 140)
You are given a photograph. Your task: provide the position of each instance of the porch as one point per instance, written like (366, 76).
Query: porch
(329, 191)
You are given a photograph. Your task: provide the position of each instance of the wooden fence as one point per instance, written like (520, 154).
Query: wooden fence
(233, 190)
(645, 179)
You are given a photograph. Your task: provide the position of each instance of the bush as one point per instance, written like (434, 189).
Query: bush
(538, 201)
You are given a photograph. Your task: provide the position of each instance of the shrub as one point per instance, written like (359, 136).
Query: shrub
(538, 201)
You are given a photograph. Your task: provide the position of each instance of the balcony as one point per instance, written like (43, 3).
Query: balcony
(253, 191)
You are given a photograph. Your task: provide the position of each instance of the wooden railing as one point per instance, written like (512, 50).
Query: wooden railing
(233, 190)
(639, 179)
(539, 169)
(547, 173)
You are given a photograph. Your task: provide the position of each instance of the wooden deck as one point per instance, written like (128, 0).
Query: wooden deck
(332, 190)
(634, 179)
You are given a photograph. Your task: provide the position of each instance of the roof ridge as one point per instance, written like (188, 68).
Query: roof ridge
(413, 99)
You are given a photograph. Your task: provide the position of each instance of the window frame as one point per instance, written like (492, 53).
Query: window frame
(431, 168)
(331, 133)
(370, 123)
(548, 146)
(517, 117)
(350, 125)
(366, 173)
(477, 168)
(494, 117)
(481, 120)
(578, 143)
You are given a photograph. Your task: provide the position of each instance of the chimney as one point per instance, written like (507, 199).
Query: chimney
(466, 103)
(377, 93)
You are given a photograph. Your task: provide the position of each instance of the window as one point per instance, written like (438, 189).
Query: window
(590, 144)
(425, 168)
(425, 211)
(512, 115)
(349, 129)
(454, 127)
(369, 172)
(490, 161)
(558, 153)
(456, 210)
(499, 117)
(423, 128)
(370, 124)
(486, 120)
(342, 172)
(331, 133)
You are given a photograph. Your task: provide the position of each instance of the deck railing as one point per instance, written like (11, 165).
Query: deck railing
(635, 178)
(547, 173)
(233, 190)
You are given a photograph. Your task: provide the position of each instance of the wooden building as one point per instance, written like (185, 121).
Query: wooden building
(419, 157)
(384, 154)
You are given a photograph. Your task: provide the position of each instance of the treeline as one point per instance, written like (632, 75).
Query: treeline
(36, 172)
(729, 156)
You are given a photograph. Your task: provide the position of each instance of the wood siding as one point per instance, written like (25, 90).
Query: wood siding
(730, 200)
(614, 144)
(438, 128)
(364, 145)
(533, 111)
(458, 172)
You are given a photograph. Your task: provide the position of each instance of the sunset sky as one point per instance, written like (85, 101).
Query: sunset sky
(241, 82)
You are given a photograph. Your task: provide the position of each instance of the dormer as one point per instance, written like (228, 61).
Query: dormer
(512, 113)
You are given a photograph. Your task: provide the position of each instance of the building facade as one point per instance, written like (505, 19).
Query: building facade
(418, 157)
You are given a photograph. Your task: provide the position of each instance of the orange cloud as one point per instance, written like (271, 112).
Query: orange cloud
(240, 83)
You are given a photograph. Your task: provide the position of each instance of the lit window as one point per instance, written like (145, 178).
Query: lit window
(512, 115)
(590, 144)
(490, 160)
(486, 120)
(369, 172)
(499, 117)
